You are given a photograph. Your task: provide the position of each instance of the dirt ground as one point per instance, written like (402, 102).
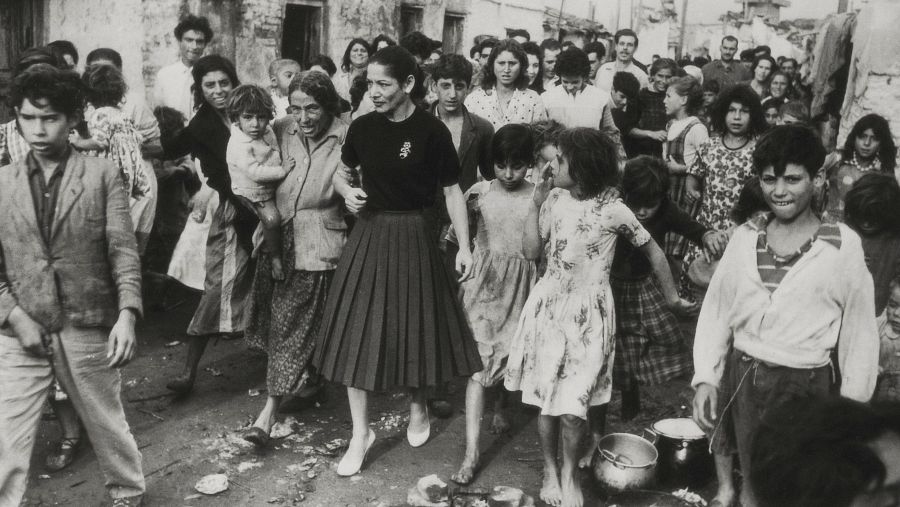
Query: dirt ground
(182, 440)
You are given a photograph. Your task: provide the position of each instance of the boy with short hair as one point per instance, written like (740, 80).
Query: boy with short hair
(70, 288)
(789, 290)
(281, 72)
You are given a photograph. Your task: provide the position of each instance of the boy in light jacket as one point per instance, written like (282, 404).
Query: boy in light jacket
(788, 291)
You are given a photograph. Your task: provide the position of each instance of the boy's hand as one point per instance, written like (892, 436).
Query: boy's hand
(122, 343)
(684, 308)
(32, 336)
(715, 242)
(706, 402)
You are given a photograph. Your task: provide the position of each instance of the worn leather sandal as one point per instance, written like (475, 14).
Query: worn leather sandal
(63, 455)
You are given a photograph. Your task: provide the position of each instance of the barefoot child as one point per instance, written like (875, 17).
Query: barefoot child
(788, 291)
(493, 297)
(561, 355)
(650, 348)
(254, 162)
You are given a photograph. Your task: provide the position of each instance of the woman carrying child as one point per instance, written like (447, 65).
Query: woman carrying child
(502, 276)
(561, 355)
(114, 136)
(254, 163)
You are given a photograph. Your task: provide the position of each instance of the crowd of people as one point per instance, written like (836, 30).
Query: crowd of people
(534, 218)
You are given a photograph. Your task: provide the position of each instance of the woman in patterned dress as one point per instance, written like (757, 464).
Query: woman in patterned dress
(723, 164)
(283, 316)
(561, 356)
(504, 96)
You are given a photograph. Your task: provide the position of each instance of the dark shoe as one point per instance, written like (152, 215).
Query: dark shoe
(128, 501)
(181, 385)
(63, 455)
(256, 436)
(440, 407)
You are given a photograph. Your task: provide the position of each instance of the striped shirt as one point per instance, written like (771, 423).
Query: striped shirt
(773, 267)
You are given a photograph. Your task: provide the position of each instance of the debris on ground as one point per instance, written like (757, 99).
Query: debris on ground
(173, 344)
(392, 421)
(248, 465)
(212, 371)
(429, 491)
(283, 429)
(690, 497)
(253, 393)
(212, 484)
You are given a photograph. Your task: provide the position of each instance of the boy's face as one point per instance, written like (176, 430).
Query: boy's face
(772, 116)
(45, 129)
(572, 84)
(283, 76)
(789, 195)
(191, 45)
(510, 175)
(708, 98)
(253, 125)
(661, 79)
(619, 99)
(892, 312)
(451, 93)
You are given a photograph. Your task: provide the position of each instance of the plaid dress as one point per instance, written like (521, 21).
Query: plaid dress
(676, 244)
(650, 347)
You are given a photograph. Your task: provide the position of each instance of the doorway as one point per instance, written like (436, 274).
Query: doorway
(21, 26)
(301, 37)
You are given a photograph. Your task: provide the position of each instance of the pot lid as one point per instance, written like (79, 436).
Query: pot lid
(680, 427)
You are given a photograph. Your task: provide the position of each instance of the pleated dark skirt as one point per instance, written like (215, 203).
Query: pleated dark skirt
(392, 318)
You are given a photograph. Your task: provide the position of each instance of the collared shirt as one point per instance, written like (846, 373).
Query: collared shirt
(607, 72)
(589, 107)
(173, 88)
(773, 267)
(44, 192)
(726, 74)
(525, 106)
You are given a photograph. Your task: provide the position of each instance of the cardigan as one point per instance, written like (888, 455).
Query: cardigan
(825, 302)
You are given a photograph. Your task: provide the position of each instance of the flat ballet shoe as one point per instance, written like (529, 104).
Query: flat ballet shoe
(419, 439)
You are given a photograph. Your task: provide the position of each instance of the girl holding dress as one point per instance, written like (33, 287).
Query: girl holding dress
(502, 276)
(562, 353)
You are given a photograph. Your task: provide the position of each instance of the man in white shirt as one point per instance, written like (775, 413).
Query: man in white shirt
(576, 104)
(626, 42)
(550, 50)
(173, 82)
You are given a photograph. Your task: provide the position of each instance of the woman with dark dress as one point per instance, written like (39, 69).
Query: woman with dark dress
(228, 263)
(392, 319)
(284, 316)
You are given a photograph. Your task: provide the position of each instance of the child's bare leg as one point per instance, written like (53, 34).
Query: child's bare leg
(474, 414)
(499, 422)
(597, 421)
(548, 428)
(572, 432)
(271, 223)
(724, 467)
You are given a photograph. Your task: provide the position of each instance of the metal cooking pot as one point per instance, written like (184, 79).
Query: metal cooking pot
(624, 462)
(684, 457)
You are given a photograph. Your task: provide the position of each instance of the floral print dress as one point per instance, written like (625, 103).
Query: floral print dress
(722, 172)
(561, 356)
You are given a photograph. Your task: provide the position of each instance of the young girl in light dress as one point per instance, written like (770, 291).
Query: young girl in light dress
(502, 276)
(561, 356)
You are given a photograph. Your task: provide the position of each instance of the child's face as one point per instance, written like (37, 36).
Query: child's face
(788, 195)
(253, 125)
(45, 129)
(661, 79)
(644, 213)
(451, 93)
(892, 312)
(673, 102)
(709, 98)
(867, 144)
(560, 171)
(772, 116)
(510, 174)
(283, 77)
